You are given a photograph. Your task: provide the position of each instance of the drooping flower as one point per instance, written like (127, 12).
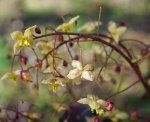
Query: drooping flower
(22, 39)
(66, 27)
(115, 31)
(94, 103)
(83, 72)
(11, 76)
(54, 82)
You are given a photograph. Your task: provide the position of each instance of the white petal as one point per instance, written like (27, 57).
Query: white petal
(87, 75)
(76, 64)
(121, 30)
(74, 73)
(17, 35)
(73, 20)
(112, 26)
(5, 76)
(83, 101)
(29, 31)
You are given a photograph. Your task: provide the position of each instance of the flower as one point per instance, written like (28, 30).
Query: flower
(25, 75)
(83, 72)
(54, 82)
(115, 31)
(66, 27)
(22, 39)
(11, 76)
(94, 103)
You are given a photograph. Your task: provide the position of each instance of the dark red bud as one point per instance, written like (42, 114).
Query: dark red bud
(133, 115)
(109, 106)
(25, 75)
(23, 59)
(71, 44)
(76, 57)
(122, 23)
(97, 119)
(118, 68)
(113, 81)
(38, 64)
(60, 38)
(38, 30)
(65, 64)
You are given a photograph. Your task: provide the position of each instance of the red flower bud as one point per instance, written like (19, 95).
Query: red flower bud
(71, 44)
(65, 64)
(38, 30)
(108, 106)
(97, 119)
(133, 115)
(25, 75)
(60, 38)
(23, 59)
(122, 23)
(118, 68)
(38, 64)
(76, 57)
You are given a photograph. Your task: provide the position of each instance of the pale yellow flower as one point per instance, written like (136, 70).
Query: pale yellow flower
(66, 27)
(115, 31)
(54, 82)
(11, 76)
(22, 39)
(83, 72)
(94, 103)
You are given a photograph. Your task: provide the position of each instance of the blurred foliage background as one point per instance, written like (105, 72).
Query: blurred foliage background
(17, 14)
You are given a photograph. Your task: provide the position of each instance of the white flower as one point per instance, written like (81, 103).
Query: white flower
(115, 31)
(94, 103)
(83, 72)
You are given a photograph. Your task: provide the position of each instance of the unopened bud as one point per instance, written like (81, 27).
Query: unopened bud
(60, 38)
(23, 59)
(38, 30)
(38, 64)
(97, 119)
(25, 75)
(108, 106)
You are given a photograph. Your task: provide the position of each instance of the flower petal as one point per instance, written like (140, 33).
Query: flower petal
(72, 21)
(76, 64)
(87, 75)
(112, 27)
(29, 31)
(83, 101)
(88, 67)
(74, 73)
(17, 35)
(121, 30)
(16, 47)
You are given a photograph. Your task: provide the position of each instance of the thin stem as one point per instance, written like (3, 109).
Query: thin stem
(117, 93)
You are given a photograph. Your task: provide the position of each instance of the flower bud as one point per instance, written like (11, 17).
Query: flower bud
(108, 106)
(25, 75)
(38, 30)
(97, 119)
(71, 44)
(76, 57)
(133, 115)
(61, 38)
(23, 59)
(38, 64)
(65, 64)
(118, 68)
(122, 23)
